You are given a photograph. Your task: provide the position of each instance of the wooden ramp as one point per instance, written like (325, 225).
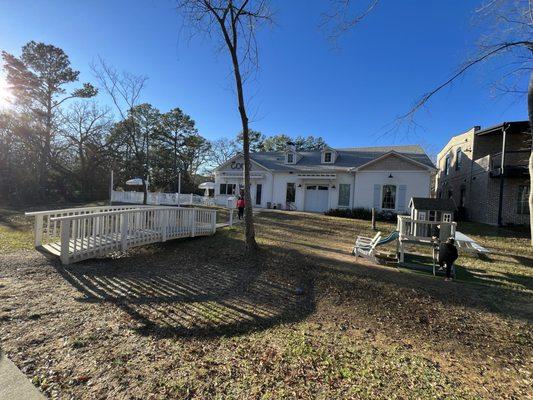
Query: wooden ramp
(82, 233)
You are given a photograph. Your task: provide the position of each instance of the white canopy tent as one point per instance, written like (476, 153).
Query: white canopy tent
(136, 182)
(206, 186)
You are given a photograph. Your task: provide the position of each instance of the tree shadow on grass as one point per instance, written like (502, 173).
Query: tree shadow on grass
(167, 295)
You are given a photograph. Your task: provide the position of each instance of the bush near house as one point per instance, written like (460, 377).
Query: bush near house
(362, 213)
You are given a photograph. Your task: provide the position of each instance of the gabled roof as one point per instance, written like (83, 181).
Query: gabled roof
(426, 203)
(347, 159)
(394, 154)
(235, 157)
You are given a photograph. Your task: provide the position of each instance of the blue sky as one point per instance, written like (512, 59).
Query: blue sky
(304, 86)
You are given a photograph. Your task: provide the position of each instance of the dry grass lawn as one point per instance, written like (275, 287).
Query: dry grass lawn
(194, 319)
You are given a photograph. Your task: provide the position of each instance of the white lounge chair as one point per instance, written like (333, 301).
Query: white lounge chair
(365, 246)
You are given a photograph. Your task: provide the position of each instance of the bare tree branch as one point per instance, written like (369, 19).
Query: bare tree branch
(426, 97)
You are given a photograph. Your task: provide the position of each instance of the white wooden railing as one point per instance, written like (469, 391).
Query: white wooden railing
(412, 229)
(159, 198)
(46, 226)
(95, 231)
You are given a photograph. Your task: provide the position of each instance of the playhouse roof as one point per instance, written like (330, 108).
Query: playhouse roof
(426, 203)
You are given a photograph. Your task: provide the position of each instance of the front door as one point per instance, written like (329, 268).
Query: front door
(316, 198)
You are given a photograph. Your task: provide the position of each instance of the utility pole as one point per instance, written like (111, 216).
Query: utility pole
(179, 187)
(111, 189)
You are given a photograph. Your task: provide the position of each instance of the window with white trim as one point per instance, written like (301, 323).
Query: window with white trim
(228, 188)
(290, 158)
(344, 195)
(327, 157)
(388, 197)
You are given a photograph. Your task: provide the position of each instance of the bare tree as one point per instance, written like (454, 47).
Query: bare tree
(125, 91)
(343, 15)
(222, 150)
(84, 126)
(236, 21)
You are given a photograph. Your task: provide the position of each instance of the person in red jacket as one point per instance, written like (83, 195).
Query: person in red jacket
(240, 206)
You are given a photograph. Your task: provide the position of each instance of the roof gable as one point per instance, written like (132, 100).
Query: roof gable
(393, 161)
(428, 203)
(237, 163)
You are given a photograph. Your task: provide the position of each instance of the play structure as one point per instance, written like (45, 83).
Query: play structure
(429, 223)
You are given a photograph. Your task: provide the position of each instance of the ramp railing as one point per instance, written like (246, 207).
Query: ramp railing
(86, 233)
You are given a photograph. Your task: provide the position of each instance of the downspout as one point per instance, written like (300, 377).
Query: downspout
(353, 190)
(272, 190)
(502, 173)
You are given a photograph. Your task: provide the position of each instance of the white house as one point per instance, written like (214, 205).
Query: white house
(381, 177)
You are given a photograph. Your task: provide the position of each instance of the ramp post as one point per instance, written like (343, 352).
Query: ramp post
(163, 223)
(39, 230)
(193, 222)
(124, 231)
(65, 241)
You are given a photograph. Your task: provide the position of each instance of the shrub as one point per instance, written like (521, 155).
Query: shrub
(362, 213)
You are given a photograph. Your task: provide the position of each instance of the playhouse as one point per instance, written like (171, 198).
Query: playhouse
(433, 210)
(430, 221)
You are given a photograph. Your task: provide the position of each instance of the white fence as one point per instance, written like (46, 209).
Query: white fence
(79, 234)
(159, 198)
(172, 199)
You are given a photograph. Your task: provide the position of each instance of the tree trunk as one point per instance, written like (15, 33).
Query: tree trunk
(83, 171)
(45, 155)
(145, 192)
(530, 115)
(249, 229)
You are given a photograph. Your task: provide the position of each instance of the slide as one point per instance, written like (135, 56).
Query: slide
(387, 239)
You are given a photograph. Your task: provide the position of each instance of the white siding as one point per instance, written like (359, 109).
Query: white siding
(227, 175)
(417, 185)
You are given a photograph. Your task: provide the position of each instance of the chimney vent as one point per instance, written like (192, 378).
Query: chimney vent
(291, 146)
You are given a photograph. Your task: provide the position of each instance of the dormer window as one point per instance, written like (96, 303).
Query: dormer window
(290, 158)
(328, 156)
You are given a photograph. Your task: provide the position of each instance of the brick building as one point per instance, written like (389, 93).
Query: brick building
(470, 172)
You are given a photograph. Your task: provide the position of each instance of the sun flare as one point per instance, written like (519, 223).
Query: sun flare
(5, 94)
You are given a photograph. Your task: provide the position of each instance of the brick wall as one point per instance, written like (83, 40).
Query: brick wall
(479, 202)
(482, 192)
(510, 202)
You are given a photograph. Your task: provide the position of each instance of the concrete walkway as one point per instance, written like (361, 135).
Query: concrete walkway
(14, 385)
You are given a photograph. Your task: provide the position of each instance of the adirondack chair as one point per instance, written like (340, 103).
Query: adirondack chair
(364, 246)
